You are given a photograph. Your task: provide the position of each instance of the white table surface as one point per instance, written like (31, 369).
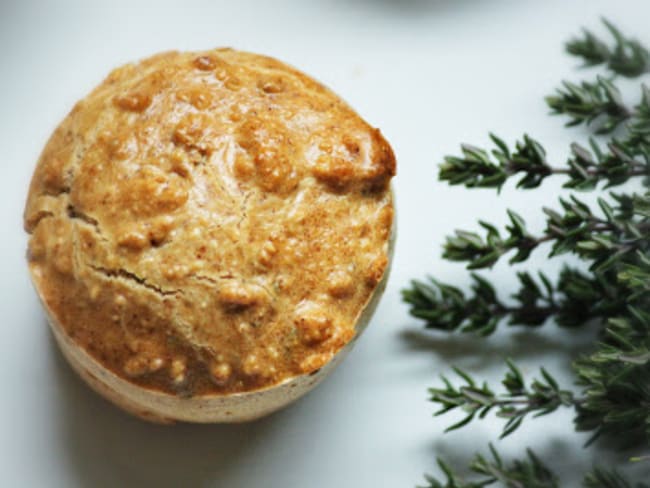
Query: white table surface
(430, 74)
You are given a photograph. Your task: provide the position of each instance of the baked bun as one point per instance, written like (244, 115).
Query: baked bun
(209, 231)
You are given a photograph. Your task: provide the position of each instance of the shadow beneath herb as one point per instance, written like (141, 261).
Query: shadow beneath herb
(106, 447)
(476, 353)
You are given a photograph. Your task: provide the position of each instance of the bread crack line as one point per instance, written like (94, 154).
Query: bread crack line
(132, 277)
(75, 214)
(32, 222)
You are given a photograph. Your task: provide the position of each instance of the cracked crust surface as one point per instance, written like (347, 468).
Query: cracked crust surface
(210, 222)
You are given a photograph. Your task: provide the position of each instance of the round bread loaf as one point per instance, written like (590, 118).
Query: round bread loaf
(209, 231)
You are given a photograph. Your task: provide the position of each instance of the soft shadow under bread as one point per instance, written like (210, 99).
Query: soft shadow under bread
(106, 447)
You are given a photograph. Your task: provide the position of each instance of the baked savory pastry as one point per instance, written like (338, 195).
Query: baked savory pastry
(209, 231)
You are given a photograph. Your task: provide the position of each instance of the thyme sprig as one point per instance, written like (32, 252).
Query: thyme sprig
(477, 401)
(585, 167)
(621, 230)
(611, 396)
(577, 298)
(591, 102)
(627, 56)
(529, 472)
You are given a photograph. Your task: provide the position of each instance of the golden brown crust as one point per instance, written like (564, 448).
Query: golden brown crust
(210, 222)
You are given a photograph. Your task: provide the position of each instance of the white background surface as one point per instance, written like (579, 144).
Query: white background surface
(430, 74)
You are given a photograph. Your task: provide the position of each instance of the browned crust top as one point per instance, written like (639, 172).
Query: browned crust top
(210, 222)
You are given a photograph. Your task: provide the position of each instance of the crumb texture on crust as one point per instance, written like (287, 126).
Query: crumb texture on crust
(210, 222)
